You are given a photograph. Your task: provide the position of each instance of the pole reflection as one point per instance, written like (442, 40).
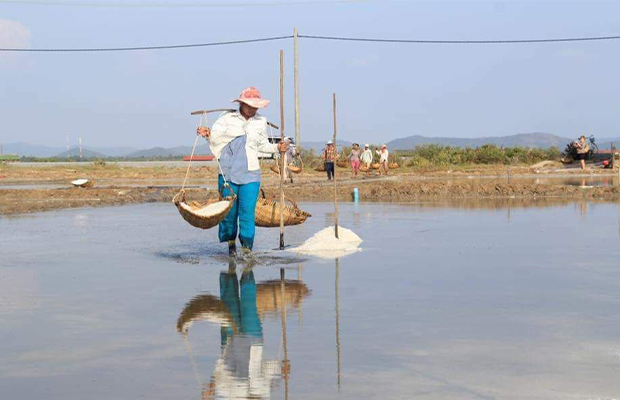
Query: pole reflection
(336, 279)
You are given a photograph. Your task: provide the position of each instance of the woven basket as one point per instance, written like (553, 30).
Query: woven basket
(342, 164)
(297, 169)
(320, 168)
(268, 213)
(363, 168)
(201, 221)
(375, 165)
(275, 168)
(393, 165)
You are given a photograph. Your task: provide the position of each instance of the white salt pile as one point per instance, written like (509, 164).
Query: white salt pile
(325, 245)
(209, 210)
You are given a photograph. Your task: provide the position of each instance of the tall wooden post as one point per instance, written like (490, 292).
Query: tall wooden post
(296, 82)
(282, 166)
(335, 187)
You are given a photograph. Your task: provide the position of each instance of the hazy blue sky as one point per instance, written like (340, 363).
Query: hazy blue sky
(385, 91)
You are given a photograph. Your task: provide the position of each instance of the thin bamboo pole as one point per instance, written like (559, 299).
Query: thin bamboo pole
(335, 186)
(282, 166)
(296, 81)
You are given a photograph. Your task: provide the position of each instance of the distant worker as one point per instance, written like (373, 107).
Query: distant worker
(383, 159)
(354, 157)
(367, 157)
(289, 156)
(236, 138)
(330, 156)
(582, 150)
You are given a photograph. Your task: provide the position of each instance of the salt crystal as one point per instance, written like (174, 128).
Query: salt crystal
(209, 210)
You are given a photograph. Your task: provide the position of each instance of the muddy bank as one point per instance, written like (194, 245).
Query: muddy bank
(405, 191)
(18, 201)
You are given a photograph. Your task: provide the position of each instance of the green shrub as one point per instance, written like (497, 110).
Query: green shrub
(439, 155)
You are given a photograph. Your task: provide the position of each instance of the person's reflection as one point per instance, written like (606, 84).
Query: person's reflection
(240, 372)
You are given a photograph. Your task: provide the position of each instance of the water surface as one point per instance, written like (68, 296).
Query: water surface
(456, 302)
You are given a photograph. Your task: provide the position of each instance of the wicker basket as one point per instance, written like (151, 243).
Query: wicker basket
(375, 165)
(320, 168)
(268, 213)
(393, 165)
(275, 168)
(342, 164)
(297, 169)
(202, 221)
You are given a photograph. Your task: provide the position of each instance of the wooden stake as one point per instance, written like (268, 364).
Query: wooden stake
(282, 166)
(296, 82)
(335, 192)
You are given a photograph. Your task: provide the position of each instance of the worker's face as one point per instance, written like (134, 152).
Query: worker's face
(247, 111)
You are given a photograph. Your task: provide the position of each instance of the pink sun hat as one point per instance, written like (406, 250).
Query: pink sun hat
(251, 96)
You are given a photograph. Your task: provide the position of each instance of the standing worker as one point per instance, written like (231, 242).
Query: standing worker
(289, 156)
(330, 155)
(235, 139)
(367, 157)
(383, 159)
(354, 157)
(582, 148)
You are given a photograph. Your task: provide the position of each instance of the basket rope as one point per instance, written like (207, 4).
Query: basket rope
(217, 160)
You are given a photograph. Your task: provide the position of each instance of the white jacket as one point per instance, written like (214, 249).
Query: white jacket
(367, 156)
(383, 155)
(231, 125)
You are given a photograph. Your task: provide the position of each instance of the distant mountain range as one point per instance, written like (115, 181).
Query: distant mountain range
(534, 140)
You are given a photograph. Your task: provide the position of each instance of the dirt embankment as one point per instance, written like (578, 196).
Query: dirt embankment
(311, 186)
(19, 201)
(404, 191)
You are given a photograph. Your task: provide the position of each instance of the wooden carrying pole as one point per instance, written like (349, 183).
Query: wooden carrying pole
(282, 166)
(335, 191)
(296, 83)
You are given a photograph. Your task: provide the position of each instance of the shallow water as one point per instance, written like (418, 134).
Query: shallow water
(442, 303)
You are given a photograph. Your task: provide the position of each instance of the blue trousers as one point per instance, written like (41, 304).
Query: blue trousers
(241, 214)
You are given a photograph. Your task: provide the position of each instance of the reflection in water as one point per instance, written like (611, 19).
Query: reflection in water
(243, 370)
(337, 324)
